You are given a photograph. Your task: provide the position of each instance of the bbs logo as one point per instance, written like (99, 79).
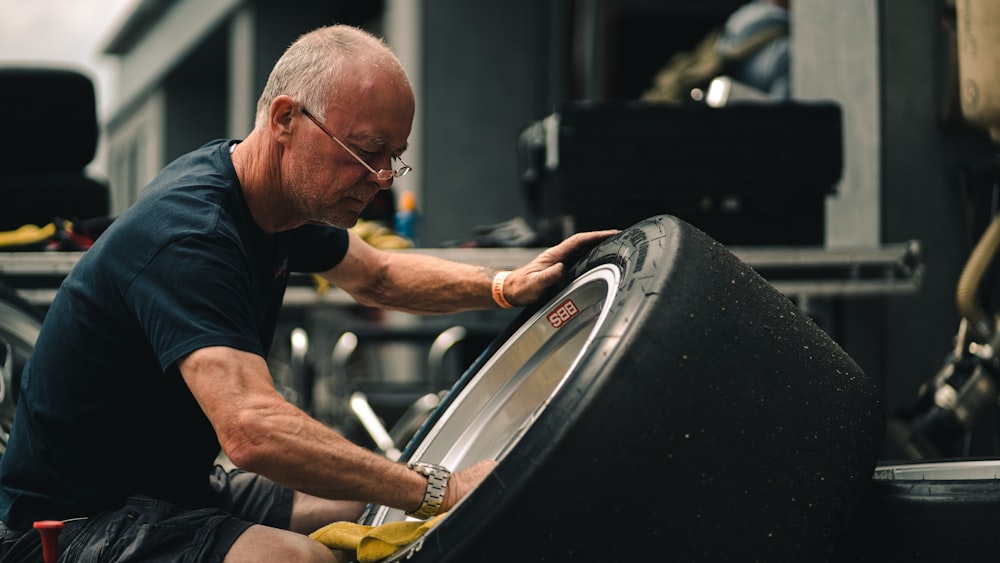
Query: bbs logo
(562, 313)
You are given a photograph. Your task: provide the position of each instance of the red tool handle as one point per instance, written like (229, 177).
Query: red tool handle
(49, 529)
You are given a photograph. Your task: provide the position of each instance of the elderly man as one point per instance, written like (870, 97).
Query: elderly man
(152, 356)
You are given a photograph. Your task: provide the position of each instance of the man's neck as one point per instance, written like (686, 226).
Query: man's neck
(257, 167)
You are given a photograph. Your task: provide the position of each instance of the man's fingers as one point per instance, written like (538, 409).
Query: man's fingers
(577, 244)
(528, 283)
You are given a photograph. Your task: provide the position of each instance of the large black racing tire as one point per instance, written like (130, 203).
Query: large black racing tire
(19, 326)
(668, 404)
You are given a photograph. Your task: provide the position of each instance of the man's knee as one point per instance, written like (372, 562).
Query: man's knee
(264, 544)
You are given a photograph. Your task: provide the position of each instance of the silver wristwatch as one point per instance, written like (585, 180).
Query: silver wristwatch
(437, 482)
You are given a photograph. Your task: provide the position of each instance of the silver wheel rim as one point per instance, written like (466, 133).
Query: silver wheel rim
(499, 404)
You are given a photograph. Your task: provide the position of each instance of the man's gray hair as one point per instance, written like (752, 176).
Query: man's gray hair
(310, 69)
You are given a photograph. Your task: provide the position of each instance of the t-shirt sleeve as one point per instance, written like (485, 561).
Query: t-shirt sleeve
(314, 248)
(194, 293)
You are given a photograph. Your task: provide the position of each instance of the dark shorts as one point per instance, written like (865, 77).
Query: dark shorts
(150, 530)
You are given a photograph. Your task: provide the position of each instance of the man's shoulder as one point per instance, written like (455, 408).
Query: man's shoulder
(189, 192)
(207, 167)
(191, 197)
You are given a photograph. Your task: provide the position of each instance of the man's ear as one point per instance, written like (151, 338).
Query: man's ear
(282, 111)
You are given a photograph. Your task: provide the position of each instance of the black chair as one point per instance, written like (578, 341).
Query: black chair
(51, 136)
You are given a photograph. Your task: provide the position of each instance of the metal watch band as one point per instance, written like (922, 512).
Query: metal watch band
(437, 482)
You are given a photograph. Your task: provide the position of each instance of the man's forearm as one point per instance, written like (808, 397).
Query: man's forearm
(423, 284)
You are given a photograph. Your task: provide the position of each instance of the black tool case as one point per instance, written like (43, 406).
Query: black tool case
(747, 174)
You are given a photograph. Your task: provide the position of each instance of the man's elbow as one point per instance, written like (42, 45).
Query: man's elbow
(245, 448)
(374, 295)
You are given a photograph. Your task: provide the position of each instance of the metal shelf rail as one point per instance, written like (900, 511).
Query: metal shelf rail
(798, 272)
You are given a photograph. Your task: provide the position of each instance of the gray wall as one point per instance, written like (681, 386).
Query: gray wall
(196, 97)
(484, 78)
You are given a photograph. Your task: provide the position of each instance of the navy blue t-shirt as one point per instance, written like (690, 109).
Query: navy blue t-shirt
(103, 412)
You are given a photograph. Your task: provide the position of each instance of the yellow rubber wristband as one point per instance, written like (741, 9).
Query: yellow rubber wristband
(498, 290)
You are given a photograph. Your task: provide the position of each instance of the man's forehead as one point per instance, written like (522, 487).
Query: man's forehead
(381, 119)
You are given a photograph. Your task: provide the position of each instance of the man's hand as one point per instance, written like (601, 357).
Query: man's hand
(463, 482)
(529, 283)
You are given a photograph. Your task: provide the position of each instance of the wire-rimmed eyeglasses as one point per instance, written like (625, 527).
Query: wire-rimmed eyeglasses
(383, 174)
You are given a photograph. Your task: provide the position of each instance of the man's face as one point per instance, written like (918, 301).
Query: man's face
(327, 184)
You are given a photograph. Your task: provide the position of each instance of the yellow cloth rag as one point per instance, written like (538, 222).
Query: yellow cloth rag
(372, 543)
(27, 234)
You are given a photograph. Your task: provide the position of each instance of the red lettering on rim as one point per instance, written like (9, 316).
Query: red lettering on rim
(562, 313)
